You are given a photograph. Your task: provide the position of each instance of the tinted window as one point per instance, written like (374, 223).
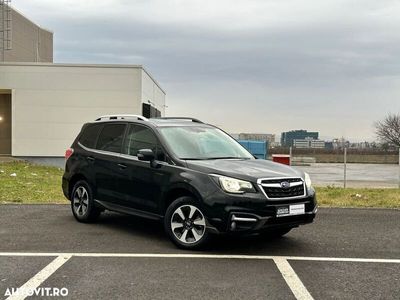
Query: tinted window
(89, 136)
(141, 137)
(111, 138)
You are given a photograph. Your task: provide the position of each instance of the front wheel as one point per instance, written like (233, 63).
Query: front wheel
(186, 224)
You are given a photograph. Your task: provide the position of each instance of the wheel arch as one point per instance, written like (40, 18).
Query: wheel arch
(176, 191)
(74, 179)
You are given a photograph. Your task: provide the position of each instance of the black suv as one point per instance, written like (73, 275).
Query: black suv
(193, 176)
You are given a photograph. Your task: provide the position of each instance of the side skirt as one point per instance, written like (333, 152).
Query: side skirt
(128, 210)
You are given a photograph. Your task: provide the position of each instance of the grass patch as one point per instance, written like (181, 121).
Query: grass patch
(42, 185)
(358, 197)
(31, 183)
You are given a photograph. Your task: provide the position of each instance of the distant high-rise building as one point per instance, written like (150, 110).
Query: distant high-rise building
(287, 138)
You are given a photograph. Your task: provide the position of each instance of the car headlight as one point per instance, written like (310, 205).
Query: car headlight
(235, 186)
(307, 180)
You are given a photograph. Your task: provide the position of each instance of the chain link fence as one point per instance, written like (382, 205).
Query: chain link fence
(370, 168)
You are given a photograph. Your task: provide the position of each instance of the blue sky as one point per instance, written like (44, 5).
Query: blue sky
(248, 66)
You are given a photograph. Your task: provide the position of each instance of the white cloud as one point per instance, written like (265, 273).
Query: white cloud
(333, 60)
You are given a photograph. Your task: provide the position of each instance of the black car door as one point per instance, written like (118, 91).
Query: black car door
(140, 183)
(106, 165)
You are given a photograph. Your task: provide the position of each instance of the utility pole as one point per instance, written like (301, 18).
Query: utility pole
(345, 168)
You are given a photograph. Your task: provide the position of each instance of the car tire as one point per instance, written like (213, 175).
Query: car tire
(82, 203)
(186, 224)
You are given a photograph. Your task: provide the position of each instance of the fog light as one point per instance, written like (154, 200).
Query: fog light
(233, 225)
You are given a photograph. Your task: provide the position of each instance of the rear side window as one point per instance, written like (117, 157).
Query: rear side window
(111, 138)
(89, 136)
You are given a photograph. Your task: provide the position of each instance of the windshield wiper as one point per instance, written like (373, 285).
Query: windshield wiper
(212, 158)
(228, 157)
(192, 158)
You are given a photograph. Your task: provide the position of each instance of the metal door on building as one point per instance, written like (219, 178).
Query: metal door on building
(5, 124)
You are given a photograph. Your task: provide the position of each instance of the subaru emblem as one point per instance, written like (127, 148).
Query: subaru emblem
(285, 184)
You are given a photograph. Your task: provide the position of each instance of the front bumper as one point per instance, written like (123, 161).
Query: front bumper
(240, 223)
(242, 216)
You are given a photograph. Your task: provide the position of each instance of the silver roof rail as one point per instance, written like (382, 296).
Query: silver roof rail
(180, 119)
(121, 117)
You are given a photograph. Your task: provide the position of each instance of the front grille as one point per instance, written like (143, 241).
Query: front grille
(267, 181)
(274, 190)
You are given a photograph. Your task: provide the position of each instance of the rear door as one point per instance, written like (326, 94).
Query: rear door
(107, 164)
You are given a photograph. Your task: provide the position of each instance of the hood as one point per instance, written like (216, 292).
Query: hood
(251, 169)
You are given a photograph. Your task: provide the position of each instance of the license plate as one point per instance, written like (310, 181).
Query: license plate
(290, 210)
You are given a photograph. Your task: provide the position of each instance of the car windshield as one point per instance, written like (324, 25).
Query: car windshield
(201, 143)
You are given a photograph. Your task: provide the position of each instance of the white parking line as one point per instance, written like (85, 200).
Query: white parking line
(289, 275)
(215, 256)
(40, 277)
(293, 281)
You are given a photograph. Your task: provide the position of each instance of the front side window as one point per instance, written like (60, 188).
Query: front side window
(191, 142)
(111, 138)
(141, 137)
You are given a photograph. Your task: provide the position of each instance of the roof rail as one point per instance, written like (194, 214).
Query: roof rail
(180, 118)
(121, 117)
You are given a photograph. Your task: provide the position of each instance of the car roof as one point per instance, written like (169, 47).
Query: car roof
(154, 122)
(171, 122)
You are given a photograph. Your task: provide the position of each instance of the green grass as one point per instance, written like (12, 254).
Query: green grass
(32, 183)
(41, 185)
(358, 197)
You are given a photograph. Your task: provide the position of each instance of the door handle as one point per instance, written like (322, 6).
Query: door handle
(122, 166)
(90, 158)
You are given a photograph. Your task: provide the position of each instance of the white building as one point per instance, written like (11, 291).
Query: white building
(317, 144)
(308, 143)
(43, 105)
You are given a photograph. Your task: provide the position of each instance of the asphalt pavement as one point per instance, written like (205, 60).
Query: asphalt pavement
(344, 254)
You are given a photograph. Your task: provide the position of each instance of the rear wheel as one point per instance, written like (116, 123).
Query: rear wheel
(82, 203)
(186, 224)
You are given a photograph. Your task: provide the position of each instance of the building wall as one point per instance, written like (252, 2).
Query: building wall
(153, 92)
(301, 143)
(30, 43)
(309, 143)
(317, 144)
(50, 102)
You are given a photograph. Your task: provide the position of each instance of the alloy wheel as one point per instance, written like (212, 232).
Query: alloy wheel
(188, 224)
(81, 201)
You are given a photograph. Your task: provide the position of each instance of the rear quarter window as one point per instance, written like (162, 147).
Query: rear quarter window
(89, 135)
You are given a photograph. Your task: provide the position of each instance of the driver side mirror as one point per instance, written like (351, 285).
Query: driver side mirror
(146, 155)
